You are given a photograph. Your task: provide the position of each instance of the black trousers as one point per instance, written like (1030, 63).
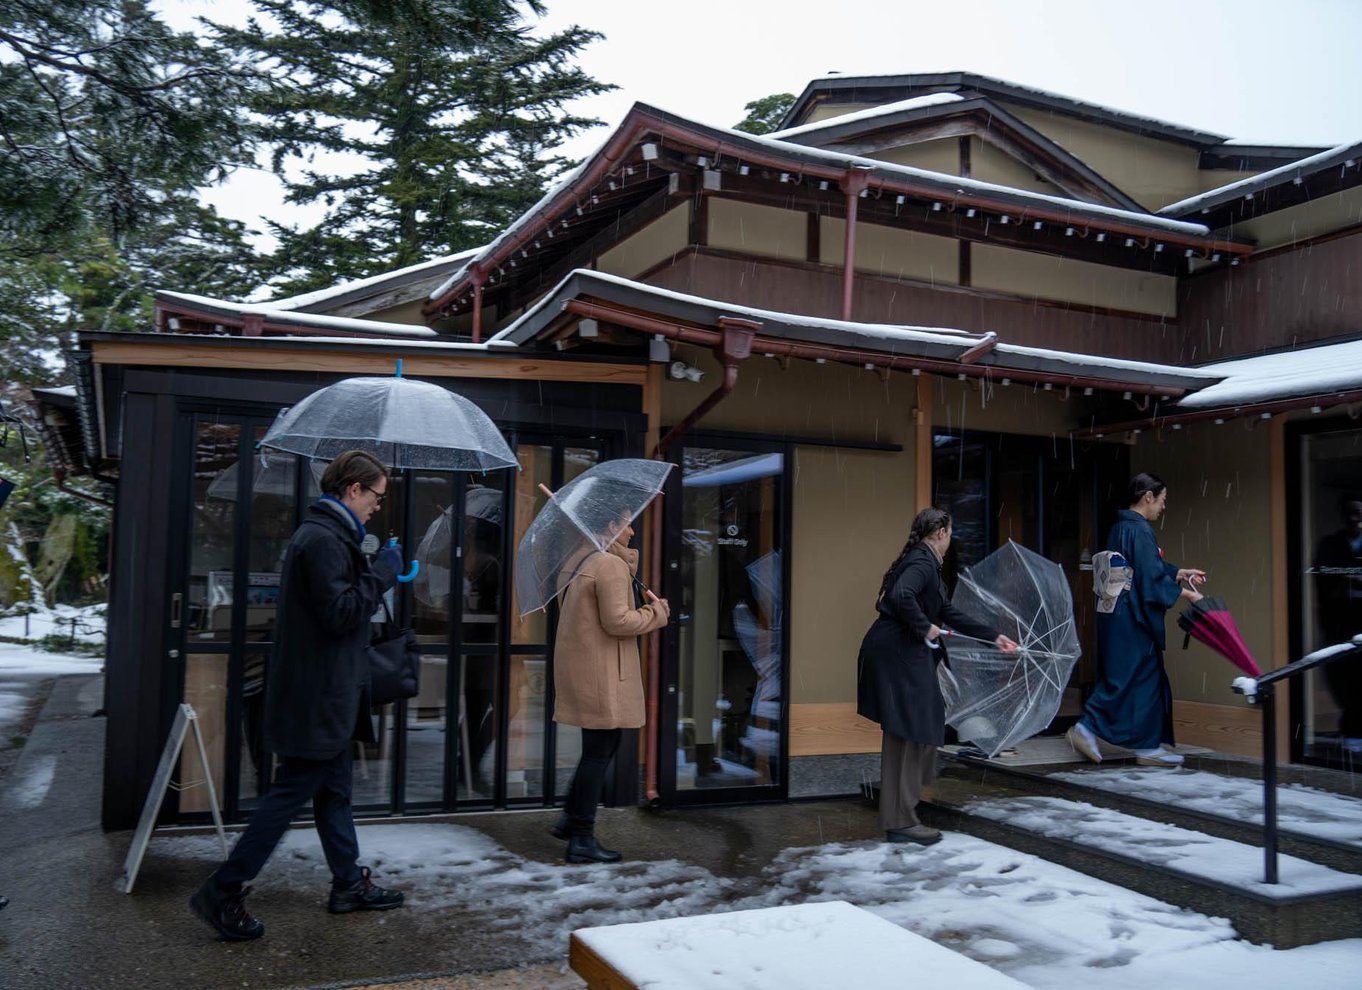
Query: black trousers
(327, 784)
(598, 749)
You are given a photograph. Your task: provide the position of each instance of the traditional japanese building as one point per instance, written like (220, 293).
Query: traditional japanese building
(923, 288)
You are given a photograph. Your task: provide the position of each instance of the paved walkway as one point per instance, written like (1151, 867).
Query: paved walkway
(68, 925)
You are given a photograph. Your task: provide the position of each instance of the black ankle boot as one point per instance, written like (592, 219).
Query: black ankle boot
(226, 911)
(585, 849)
(362, 895)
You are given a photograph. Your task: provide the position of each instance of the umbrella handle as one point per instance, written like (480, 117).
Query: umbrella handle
(411, 574)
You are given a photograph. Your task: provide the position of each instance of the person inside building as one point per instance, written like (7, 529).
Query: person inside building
(1338, 591)
(896, 683)
(1132, 704)
(315, 699)
(597, 677)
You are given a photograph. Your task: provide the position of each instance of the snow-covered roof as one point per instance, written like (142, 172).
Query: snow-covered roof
(934, 343)
(271, 313)
(916, 103)
(1002, 88)
(1308, 371)
(949, 187)
(358, 286)
(1342, 156)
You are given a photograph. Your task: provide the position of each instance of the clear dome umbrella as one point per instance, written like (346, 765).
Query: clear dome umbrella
(404, 423)
(574, 523)
(997, 699)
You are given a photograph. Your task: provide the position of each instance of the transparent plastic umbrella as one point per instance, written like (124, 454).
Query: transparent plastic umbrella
(997, 699)
(572, 525)
(404, 423)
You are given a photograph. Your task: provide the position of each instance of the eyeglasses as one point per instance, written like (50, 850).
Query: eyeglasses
(380, 496)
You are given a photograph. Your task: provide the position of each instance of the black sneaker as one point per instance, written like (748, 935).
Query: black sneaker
(561, 828)
(226, 912)
(362, 895)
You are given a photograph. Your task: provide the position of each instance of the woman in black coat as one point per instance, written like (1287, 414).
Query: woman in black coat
(896, 672)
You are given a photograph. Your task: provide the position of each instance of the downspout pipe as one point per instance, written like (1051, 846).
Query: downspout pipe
(734, 347)
(854, 183)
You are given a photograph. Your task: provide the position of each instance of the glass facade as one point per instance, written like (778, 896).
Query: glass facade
(1329, 591)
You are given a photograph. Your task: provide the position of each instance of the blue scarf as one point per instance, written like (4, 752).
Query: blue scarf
(359, 526)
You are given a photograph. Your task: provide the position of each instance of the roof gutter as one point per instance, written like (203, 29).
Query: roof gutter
(1265, 410)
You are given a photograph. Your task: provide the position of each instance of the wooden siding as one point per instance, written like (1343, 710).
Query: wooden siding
(817, 291)
(1311, 293)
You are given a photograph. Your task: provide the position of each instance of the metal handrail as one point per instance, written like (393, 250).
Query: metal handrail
(1261, 691)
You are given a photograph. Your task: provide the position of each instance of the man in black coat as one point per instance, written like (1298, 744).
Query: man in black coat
(316, 698)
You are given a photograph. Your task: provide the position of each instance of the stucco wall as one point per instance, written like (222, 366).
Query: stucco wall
(1066, 280)
(1218, 519)
(655, 242)
(1153, 172)
(757, 229)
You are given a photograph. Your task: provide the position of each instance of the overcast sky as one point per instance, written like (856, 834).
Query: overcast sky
(1270, 71)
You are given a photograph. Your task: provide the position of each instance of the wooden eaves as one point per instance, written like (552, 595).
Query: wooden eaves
(654, 156)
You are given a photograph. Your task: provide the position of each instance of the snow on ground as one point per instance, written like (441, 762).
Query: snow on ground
(1045, 925)
(1308, 810)
(89, 623)
(21, 668)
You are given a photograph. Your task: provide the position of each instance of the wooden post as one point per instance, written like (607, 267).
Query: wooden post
(922, 424)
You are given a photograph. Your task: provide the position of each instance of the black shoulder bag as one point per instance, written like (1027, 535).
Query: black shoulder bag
(394, 662)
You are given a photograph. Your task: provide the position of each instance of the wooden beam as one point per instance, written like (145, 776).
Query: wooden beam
(173, 354)
(831, 729)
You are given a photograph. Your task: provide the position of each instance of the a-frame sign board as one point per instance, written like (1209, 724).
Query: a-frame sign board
(184, 718)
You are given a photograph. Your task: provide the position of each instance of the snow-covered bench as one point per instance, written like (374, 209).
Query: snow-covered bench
(827, 944)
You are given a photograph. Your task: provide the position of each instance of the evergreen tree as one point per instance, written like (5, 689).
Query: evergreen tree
(109, 121)
(764, 115)
(423, 126)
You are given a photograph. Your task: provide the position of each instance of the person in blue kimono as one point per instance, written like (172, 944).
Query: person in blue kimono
(1132, 704)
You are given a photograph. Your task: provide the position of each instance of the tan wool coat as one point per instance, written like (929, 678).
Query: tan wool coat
(597, 680)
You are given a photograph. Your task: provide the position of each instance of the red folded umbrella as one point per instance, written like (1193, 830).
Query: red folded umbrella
(1208, 620)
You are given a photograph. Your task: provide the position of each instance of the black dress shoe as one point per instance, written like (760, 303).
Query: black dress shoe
(560, 829)
(226, 912)
(362, 895)
(585, 849)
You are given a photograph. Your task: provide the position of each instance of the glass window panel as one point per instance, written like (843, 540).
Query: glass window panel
(959, 481)
(205, 687)
(274, 482)
(373, 767)
(256, 763)
(426, 728)
(1331, 590)
(482, 558)
(212, 533)
(477, 728)
(568, 750)
(433, 530)
(731, 620)
(528, 718)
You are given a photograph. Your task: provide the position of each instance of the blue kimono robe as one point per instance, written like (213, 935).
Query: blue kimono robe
(1132, 704)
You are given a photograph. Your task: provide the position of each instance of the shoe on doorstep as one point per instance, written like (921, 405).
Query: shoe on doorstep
(1157, 758)
(226, 912)
(1082, 740)
(362, 895)
(923, 835)
(585, 849)
(560, 829)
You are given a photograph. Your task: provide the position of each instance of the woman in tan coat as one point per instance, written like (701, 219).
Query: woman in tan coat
(597, 681)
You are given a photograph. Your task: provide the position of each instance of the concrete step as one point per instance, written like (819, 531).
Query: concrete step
(1194, 860)
(1317, 819)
